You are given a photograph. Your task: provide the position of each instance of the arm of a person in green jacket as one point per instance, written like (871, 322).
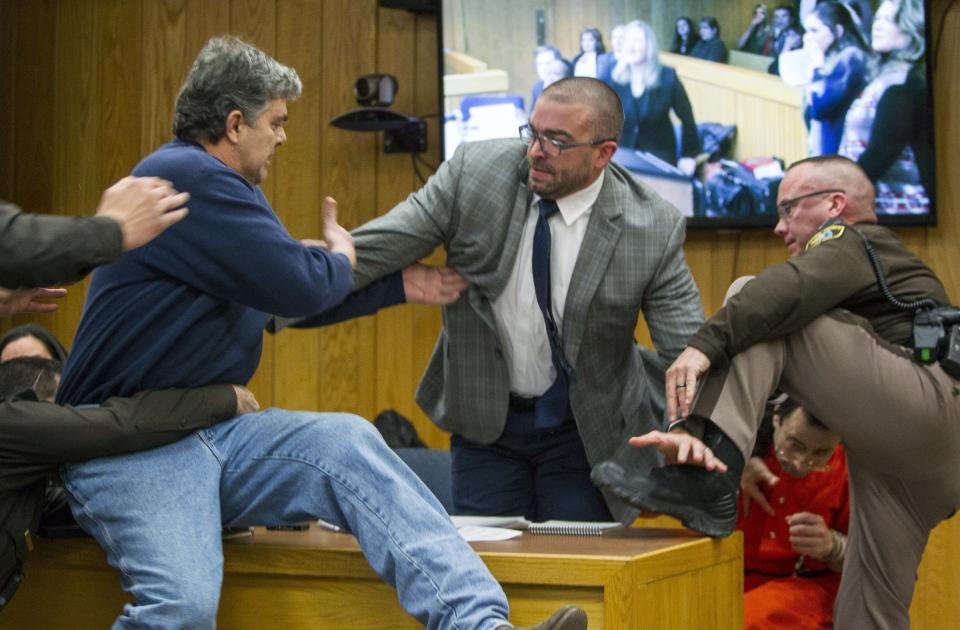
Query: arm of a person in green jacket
(39, 250)
(45, 433)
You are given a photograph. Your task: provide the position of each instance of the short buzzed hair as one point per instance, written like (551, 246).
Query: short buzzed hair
(844, 173)
(607, 109)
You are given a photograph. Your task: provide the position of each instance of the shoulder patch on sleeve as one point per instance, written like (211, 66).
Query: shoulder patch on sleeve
(829, 233)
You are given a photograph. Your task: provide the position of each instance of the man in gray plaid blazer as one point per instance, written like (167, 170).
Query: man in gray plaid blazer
(617, 251)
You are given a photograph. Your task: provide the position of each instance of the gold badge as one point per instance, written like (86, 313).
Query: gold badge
(828, 233)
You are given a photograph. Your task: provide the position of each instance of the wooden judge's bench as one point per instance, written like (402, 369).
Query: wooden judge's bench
(625, 579)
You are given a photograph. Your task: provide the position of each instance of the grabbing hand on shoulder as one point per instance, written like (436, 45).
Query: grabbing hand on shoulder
(246, 401)
(756, 472)
(17, 301)
(423, 284)
(144, 207)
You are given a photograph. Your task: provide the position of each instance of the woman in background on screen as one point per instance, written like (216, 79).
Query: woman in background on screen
(758, 38)
(648, 92)
(591, 47)
(684, 37)
(606, 61)
(887, 129)
(839, 52)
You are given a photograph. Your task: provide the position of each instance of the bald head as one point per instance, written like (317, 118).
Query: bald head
(836, 172)
(606, 111)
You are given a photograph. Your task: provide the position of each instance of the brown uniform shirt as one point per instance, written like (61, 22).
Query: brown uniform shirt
(835, 274)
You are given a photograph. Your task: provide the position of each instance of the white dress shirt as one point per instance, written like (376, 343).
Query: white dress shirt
(519, 321)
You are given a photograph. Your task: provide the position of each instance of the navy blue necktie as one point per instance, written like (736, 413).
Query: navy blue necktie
(552, 407)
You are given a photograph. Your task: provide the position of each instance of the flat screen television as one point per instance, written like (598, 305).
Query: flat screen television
(747, 122)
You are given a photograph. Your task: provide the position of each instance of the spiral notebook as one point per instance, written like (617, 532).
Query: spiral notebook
(571, 528)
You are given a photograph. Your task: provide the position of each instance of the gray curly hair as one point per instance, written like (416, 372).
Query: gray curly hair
(229, 74)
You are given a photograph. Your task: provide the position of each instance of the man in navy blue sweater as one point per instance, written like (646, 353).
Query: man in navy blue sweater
(189, 309)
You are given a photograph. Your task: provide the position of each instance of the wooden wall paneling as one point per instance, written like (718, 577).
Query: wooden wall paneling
(33, 103)
(8, 135)
(396, 54)
(711, 257)
(205, 19)
(297, 353)
(165, 65)
(33, 141)
(426, 321)
(76, 183)
(349, 161)
(8, 79)
(120, 102)
(117, 90)
(943, 253)
(935, 603)
(254, 21)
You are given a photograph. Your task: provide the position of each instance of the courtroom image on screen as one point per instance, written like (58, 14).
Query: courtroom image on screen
(715, 106)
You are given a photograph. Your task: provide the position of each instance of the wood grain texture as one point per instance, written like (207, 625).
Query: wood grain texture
(319, 579)
(298, 355)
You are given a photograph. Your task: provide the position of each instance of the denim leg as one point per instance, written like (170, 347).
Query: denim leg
(285, 467)
(156, 514)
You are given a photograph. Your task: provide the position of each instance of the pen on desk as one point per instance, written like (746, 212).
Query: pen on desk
(325, 525)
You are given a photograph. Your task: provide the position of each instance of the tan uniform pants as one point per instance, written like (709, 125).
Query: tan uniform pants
(900, 424)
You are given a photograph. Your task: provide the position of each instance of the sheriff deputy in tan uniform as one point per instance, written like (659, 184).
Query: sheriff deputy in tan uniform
(819, 328)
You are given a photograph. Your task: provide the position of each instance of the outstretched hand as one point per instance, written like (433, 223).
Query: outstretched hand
(679, 447)
(756, 472)
(336, 238)
(28, 300)
(437, 286)
(681, 381)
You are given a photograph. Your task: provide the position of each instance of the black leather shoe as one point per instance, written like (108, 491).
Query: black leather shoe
(705, 501)
(567, 618)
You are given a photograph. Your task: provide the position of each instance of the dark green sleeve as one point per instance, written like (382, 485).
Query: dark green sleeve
(38, 250)
(44, 433)
(784, 298)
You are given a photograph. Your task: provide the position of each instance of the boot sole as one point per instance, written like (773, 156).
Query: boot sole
(690, 516)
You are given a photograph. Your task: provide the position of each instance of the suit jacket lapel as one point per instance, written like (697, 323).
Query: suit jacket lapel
(599, 243)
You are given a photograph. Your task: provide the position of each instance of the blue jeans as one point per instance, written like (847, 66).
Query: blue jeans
(158, 515)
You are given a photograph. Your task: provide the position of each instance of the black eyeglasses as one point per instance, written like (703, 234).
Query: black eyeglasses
(552, 147)
(785, 207)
